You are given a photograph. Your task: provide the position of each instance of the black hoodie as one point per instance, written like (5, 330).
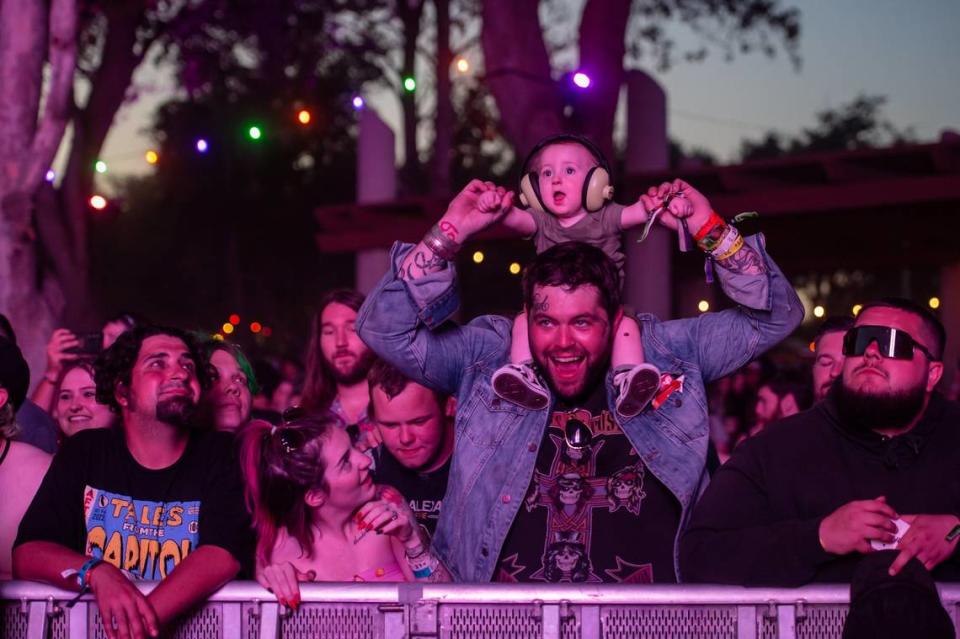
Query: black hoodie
(757, 522)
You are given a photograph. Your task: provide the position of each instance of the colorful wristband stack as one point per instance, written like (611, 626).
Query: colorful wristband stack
(718, 238)
(729, 245)
(421, 561)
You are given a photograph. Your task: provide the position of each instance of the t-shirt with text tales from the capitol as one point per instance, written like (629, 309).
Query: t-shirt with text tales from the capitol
(423, 491)
(593, 512)
(96, 499)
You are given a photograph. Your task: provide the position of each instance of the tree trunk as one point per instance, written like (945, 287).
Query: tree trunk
(120, 57)
(443, 122)
(518, 73)
(409, 12)
(29, 36)
(602, 47)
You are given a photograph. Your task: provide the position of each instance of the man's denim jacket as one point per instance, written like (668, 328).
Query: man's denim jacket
(497, 442)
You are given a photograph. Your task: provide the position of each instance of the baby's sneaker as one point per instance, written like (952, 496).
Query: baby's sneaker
(518, 384)
(635, 388)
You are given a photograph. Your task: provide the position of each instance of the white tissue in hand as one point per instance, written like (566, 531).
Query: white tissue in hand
(902, 528)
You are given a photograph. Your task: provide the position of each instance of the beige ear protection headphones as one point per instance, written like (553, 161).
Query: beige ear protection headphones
(596, 185)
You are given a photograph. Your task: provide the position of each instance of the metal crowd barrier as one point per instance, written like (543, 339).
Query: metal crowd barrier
(244, 610)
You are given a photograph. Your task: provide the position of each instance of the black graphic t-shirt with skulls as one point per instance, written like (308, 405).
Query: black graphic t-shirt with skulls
(593, 512)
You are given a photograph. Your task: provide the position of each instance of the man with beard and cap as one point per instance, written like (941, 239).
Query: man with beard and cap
(522, 478)
(828, 353)
(338, 362)
(152, 499)
(872, 466)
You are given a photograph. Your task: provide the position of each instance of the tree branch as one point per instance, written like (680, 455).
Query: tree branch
(62, 53)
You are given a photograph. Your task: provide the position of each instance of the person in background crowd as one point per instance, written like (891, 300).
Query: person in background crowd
(870, 467)
(287, 395)
(268, 379)
(22, 466)
(75, 400)
(66, 346)
(227, 403)
(785, 394)
(76, 533)
(338, 361)
(34, 425)
(828, 353)
(314, 505)
(117, 326)
(519, 476)
(415, 425)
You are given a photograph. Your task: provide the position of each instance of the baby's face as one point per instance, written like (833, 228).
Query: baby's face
(562, 169)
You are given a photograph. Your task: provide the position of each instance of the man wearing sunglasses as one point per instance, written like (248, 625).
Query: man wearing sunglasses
(154, 499)
(569, 491)
(873, 465)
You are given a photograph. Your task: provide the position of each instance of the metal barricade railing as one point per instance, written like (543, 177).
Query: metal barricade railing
(244, 610)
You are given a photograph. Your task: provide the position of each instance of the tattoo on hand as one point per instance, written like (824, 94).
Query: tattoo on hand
(746, 261)
(540, 304)
(449, 230)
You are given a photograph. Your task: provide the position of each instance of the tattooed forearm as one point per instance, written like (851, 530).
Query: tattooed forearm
(419, 262)
(448, 229)
(746, 261)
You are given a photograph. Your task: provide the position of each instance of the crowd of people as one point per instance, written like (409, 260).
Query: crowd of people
(579, 441)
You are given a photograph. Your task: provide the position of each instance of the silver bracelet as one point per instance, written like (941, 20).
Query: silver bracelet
(441, 245)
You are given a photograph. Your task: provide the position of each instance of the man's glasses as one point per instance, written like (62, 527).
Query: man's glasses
(891, 342)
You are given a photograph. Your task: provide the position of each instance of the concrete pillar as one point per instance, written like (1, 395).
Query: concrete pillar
(648, 269)
(376, 182)
(950, 316)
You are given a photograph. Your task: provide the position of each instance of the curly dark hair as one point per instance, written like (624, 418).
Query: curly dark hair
(572, 265)
(114, 365)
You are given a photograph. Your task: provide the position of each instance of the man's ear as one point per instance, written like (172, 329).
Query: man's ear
(450, 410)
(122, 394)
(934, 373)
(4, 397)
(315, 498)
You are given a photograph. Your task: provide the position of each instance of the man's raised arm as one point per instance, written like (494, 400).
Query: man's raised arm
(402, 317)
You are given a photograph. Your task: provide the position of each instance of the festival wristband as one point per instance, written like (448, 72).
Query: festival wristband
(714, 238)
(725, 244)
(708, 226)
(737, 245)
(423, 573)
(84, 573)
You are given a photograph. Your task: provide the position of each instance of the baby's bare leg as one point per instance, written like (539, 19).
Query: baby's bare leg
(520, 341)
(627, 347)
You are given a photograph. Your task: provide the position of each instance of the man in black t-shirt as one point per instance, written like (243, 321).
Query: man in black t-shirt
(415, 425)
(606, 518)
(152, 499)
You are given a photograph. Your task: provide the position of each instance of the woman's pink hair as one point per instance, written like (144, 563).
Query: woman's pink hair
(278, 476)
